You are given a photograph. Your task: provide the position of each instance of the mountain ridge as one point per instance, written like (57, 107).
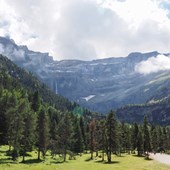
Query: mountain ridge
(99, 85)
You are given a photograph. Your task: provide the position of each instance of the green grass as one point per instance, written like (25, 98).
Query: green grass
(125, 162)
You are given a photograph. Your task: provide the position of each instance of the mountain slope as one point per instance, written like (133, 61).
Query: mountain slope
(99, 85)
(158, 113)
(31, 83)
(157, 108)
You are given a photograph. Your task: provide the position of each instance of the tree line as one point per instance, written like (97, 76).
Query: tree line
(27, 124)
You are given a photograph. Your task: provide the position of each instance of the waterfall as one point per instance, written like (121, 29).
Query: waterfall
(56, 88)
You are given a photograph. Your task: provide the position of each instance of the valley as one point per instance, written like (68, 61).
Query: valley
(99, 85)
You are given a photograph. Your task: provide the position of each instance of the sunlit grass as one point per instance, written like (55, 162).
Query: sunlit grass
(125, 162)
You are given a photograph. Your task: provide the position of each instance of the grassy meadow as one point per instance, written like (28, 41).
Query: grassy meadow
(125, 162)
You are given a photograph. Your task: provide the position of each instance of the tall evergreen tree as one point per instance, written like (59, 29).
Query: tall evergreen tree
(111, 133)
(3, 120)
(92, 131)
(78, 138)
(28, 139)
(135, 131)
(35, 101)
(140, 142)
(82, 127)
(146, 137)
(154, 138)
(65, 134)
(43, 132)
(16, 128)
(102, 137)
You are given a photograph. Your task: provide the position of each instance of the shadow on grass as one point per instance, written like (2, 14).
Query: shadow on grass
(31, 161)
(88, 159)
(99, 161)
(57, 162)
(141, 156)
(120, 156)
(148, 159)
(6, 161)
(113, 162)
(2, 151)
(105, 162)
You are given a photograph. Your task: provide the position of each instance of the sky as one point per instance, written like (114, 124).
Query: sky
(87, 29)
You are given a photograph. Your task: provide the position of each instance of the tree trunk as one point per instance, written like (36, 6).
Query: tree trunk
(97, 153)
(91, 154)
(38, 153)
(103, 156)
(64, 155)
(23, 157)
(109, 157)
(9, 147)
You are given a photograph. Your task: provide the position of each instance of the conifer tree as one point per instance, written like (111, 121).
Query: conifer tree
(82, 127)
(135, 131)
(102, 137)
(146, 137)
(3, 121)
(111, 135)
(140, 142)
(43, 132)
(28, 139)
(78, 138)
(65, 134)
(16, 128)
(154, 138)
(92, 132)
(36, 101)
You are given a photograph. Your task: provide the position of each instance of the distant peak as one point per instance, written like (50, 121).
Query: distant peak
(134, 54)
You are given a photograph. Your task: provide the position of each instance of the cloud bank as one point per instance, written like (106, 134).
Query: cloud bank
(12, 52)
(87, 29)
(153, 65)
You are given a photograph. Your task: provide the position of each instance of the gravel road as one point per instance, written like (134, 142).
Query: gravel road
(162, 158)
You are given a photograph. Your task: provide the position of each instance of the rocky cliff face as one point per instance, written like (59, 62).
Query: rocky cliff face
(22, 55)
(99, 85)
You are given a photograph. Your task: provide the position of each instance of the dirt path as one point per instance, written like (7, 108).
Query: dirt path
(162, 158)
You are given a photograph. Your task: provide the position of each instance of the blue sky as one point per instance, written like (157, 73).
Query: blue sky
(87, 29)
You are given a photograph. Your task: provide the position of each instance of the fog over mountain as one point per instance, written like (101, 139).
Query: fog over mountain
(99, 85)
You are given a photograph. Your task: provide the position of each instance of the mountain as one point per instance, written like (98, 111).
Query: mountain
(157, 111)
(99, 85)
(157, 108)
(32, 84)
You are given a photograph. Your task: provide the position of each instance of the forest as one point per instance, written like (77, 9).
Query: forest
(28, 123)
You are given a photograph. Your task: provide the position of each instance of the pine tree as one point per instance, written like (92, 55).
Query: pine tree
(3, 119)
(16, 128)
(43, 132)
(154, 138)
(146, 137)
(78, 138)
(28, 139)
(164, 136)
(92, 132)
(125, 138)
(135, 131)
(65, 134)
(36, 101)
(102, 137)
(111, 133)
(140, 142)
(82, 127)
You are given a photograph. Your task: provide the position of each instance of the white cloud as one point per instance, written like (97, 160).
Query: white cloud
(87, 29)
(11, 52)
(153, 65)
